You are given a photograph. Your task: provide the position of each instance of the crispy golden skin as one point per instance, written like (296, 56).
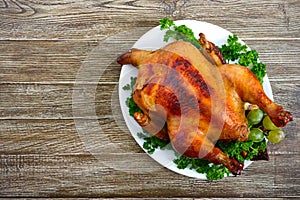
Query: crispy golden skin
(202, 102)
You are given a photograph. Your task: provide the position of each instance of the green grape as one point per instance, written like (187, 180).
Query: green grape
(268, 124)
(255, 116)
(276, 136)
(256, 135)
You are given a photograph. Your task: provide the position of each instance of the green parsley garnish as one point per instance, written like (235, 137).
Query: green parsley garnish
(133, 107)
(181, 32)
(152, 143)
(130, 85)
(233, 49)
(213, 172)
(236, 149)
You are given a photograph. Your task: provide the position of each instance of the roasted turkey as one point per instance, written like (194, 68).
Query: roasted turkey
(193, 99)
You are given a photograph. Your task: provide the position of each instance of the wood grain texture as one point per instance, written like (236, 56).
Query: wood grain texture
(39, 175)
(43, 101)
(23, 61)
(97, 19)
(51, 49)
(64, 137)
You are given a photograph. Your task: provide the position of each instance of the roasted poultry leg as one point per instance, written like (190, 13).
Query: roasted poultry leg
(250, 90)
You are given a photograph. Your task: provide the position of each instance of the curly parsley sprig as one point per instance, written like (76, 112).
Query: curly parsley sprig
(236, 149)
(212, 171)
(181, 32)
(151, 143)
(132, 106)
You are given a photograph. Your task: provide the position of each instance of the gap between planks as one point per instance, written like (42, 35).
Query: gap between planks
(60, 118)
(59, 83)
(109, 82)
(99, 39)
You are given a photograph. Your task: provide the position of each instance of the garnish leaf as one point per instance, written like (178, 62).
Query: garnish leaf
(151, 142)
(236, 149)
(132, 106)
(213, 172)
(181, 32)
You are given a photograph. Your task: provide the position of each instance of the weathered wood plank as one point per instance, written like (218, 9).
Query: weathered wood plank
(250, 16)
(75, 19)
(48, 137)
(48, 176)
(287, 179)
(43, 45)
(65, 137)
(55, 101)
(95, 20)
(40, 101)
(60, 61)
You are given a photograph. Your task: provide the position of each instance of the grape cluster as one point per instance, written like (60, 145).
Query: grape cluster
(261, 126)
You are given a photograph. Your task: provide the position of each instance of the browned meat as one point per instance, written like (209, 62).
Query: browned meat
(202, 102)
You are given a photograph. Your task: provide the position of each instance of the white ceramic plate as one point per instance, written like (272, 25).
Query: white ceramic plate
(153, 40)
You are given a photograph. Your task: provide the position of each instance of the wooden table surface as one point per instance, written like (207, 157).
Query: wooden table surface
(58, 76)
